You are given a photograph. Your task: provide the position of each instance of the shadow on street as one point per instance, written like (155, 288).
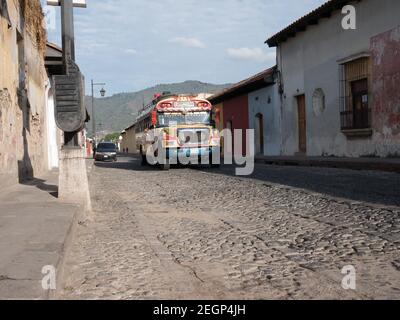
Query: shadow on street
(42, 185)
(380, 188)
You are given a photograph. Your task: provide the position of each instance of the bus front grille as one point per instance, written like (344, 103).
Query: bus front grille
(193, 137)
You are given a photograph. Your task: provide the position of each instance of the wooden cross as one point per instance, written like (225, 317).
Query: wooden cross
(67, 22)
(76, 3)
(69, 101)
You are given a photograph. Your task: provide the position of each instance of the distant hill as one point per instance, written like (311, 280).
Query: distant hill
(119, 111)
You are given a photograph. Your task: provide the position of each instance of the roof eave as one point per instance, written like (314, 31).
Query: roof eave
(251, 87)
(324, 11)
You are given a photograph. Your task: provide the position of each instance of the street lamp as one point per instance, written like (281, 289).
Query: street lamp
(103, 93)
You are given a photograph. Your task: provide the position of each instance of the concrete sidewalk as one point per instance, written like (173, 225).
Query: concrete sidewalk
(380, 164)
(35, 228)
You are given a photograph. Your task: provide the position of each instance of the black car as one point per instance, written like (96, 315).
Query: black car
(106, 151)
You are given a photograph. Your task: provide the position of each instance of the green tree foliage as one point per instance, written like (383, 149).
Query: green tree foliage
(112, 137)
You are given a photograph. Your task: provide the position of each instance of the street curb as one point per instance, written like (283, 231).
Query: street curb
(82, 213)
(328, 163)
(61, 264)
(337, 199)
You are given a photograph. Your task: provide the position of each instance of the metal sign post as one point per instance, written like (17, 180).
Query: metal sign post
(67, 28)
(70, 112)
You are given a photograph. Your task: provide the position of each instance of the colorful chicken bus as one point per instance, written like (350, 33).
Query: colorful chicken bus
(181, 128)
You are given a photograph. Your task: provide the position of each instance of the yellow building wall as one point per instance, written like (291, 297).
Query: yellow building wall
(129, 140)
(23, 140)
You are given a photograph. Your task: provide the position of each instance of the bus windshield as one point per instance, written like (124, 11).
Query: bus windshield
(168, 119)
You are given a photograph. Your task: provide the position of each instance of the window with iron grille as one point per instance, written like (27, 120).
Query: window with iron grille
(355, 111)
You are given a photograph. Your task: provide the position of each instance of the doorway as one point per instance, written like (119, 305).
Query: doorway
(230, 146)
(259, 134)
(301, 106)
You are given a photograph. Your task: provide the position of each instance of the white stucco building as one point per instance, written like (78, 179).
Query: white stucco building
(265, 119)
(54, 66)
(339, 89)
(252, 104)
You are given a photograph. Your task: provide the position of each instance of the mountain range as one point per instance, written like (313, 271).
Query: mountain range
(115, 113)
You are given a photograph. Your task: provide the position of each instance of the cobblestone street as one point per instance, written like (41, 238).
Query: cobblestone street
(201, 233)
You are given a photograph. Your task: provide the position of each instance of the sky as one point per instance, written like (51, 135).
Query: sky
(135, 44)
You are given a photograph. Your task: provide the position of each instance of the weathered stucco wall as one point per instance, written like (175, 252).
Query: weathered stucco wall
(23, 147)
(236, 111)
(309, 61)
(129, 141)
(266, 102)
(10, 114)
(385, 49)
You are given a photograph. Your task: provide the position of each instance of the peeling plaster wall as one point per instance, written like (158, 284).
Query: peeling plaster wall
(385, 49)
(23, 143)
(309, 61)
(9, 127)
(10, 114)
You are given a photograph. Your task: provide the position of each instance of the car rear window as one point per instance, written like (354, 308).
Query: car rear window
(107, 146)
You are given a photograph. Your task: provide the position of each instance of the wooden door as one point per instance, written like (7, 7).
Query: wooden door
(301, 105)
(229, 126)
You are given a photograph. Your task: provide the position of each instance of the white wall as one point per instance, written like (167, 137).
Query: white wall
(258, 103)
(52, 147)
(310, 61)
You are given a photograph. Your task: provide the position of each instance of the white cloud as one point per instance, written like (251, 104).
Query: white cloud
(189, 42)
(255, 54)
(130, 51)
(107, 28)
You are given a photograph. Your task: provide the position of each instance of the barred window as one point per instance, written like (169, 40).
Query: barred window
(355, 108)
